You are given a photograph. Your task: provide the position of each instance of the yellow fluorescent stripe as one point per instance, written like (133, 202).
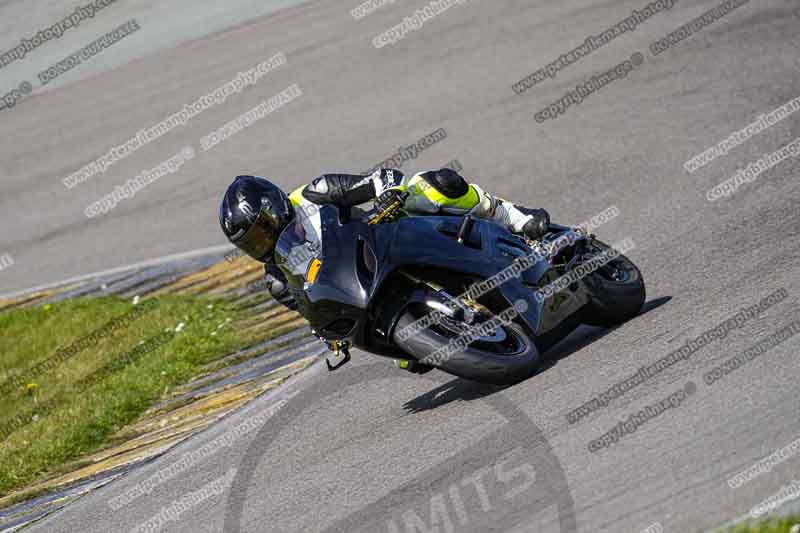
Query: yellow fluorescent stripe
(313, 270)
(467, 201)
(297, 196)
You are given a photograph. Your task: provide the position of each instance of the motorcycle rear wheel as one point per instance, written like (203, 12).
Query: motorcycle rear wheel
(617, 291)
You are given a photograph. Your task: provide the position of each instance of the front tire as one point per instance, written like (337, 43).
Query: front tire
(617, 291)
(500, 362)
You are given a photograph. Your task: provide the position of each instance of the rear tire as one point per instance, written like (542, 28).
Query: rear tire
(617, 291)
(482, 361)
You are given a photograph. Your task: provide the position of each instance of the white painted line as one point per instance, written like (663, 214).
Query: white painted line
(144, 264)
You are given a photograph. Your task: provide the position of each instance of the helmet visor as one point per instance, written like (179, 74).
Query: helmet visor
(259, 241)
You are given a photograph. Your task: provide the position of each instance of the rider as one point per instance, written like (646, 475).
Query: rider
(254, 211)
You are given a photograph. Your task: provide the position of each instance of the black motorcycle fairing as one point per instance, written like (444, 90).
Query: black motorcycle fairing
(336, 302)
(428, 241)
(358, 259)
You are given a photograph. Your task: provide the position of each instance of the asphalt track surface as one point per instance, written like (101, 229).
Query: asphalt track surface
(370, 448)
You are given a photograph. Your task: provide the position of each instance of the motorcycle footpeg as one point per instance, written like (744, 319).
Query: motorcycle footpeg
(415, 367)
(340, 358)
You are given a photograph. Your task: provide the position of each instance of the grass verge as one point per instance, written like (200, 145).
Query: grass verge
(775, 525)
(73, 374)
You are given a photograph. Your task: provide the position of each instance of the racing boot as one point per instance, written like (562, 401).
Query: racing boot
(533, 223)
(539, 222)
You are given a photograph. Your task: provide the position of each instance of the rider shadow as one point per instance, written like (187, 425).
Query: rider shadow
(466, 390)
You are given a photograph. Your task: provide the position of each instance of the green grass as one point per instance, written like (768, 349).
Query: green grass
(776, 525)
(71, 404)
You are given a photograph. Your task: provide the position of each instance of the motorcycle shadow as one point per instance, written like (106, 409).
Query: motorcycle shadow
(458, 389)
(586, 335)
(465, 390)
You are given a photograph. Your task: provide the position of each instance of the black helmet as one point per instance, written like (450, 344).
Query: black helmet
(252, 215)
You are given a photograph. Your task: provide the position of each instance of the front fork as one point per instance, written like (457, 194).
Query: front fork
(443, 302)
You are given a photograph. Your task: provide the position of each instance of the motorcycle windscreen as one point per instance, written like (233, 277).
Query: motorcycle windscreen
(298, 244)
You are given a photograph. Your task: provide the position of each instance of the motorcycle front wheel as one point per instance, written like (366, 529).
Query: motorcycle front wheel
(505, 356)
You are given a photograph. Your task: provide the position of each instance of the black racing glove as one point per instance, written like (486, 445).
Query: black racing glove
(278, 287)
(389, 198)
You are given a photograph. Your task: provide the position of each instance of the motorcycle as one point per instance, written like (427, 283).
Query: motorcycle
(426, 291)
